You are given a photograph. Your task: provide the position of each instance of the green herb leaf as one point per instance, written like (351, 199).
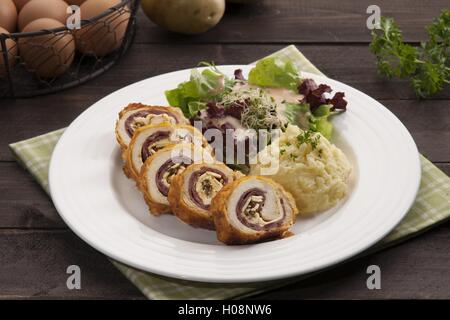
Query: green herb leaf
(308, 137)
(273, 72)
(428, 66)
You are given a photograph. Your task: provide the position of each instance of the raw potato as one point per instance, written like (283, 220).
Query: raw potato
(11, 46)
(185, 16)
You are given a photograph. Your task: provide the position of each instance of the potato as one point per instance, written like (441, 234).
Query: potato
(185, 16)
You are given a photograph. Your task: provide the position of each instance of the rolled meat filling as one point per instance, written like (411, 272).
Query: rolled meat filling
(150, 139)
(150, 145)
(168, 170)
(137, 115)
(204, 185)
(161, 170)
(146, 117)
(250, 211)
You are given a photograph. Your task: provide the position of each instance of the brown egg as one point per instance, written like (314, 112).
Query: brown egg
(47, 55)
(11, 47)
(75, 2)
(8, 15)
(106, 35)
(36, 9)
(20, 3)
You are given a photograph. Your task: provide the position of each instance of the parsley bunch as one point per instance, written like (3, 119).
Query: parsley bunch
(428, 66)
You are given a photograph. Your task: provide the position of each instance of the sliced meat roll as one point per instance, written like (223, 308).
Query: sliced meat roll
(191, 192)
(149, 139)
(160, 168)
(137, 115)
(252, 209)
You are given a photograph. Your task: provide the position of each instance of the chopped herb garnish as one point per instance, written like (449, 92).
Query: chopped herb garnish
(308, 137)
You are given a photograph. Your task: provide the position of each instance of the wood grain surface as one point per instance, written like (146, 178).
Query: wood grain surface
(36, 246)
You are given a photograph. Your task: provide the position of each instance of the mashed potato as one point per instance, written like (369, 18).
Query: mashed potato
(313, 170)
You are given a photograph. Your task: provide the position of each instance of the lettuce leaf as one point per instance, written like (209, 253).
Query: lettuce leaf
(273, 72)
(317, 121)
(202, 87)
(293, 112)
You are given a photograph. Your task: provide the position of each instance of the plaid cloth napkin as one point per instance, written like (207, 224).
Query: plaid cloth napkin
(432, 206)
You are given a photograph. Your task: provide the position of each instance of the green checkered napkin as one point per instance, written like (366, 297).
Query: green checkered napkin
(432, 206)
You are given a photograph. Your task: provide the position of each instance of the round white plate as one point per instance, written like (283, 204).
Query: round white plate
(106, 210)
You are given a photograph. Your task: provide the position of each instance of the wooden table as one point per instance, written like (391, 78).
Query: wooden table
(36, 246)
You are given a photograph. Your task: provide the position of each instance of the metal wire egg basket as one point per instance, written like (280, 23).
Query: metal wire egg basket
(36, 63)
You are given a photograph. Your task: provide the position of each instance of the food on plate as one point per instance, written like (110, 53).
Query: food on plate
(191, 192)
(273, 96)
(37, 9)
(252, 209)
(159, 169)
(137, 115)
(8, 15)
(11, 47)
(311, 168)
(189, 17)
(106, 34)
(275, 126)
(149, 139)
(47, 55)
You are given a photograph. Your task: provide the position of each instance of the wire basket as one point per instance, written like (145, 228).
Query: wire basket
(33, 63)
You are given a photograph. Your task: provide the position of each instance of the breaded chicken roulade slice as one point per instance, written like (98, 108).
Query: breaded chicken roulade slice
(160, 168)
(137, 115)
(191, 192)
(252, 209)
(149, 139)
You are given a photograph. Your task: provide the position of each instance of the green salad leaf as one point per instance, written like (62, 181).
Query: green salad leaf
(273, 72)
(191, 96)
(293, 112)
(317, 121)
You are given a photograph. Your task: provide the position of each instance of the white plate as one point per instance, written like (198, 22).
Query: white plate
(106, 210)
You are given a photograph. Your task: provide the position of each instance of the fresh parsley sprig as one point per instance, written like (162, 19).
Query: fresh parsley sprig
(428, 66)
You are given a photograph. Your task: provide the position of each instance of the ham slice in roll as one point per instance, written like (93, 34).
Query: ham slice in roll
(137, 115)
(252, 209)
(161, 167)
(149, 139)
(191, 192)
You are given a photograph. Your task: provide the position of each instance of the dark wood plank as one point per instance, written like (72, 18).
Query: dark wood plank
(25, 118)
(24, 205)
(302, 21)
(416, 269)
(34, 264)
